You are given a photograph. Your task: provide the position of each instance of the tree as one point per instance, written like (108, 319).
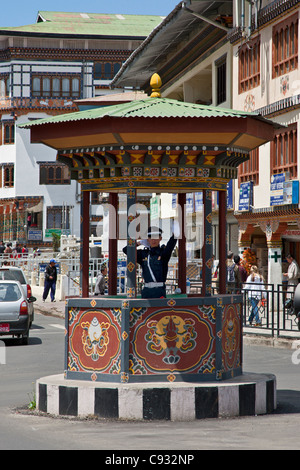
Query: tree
(55, 241)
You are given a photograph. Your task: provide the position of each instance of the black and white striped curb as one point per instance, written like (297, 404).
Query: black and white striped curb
(248, 395)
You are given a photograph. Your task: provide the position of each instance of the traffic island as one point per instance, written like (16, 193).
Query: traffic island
(248, 395)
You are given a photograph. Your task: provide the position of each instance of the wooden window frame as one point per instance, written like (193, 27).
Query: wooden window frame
(56, 212)
(8, 175)
(285, 46)
(54, 173)
(102, 72)
(249, 65)
(48, 86)
(249, 170)
(4, 80)
(8, 132)
(221, 78)
(283, 156)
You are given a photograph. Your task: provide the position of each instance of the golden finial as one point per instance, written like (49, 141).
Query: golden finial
(155, 83)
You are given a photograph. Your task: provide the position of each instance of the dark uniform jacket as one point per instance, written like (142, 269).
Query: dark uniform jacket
(157, 258)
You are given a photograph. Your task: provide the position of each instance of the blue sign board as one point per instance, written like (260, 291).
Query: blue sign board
(246, 196)
(276, 189)
(291, 192)
(230, 195)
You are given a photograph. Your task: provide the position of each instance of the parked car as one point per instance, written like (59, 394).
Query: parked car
(14, 311)
(11, 273)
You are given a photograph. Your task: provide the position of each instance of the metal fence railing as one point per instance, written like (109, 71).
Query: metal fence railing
(275, 317)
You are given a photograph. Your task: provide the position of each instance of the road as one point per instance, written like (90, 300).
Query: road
(44, 356)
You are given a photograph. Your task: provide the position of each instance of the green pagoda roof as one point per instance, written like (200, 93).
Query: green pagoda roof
(146, 108)
(88, 24)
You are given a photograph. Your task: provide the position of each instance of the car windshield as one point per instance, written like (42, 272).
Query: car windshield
(9, 292)
(12, 275)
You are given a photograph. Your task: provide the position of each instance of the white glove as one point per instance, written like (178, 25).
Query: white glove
(176, 229)
(145, 243)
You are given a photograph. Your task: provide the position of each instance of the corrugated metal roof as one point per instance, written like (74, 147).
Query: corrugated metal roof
(89, 24)
(147, 108)
(156, 49)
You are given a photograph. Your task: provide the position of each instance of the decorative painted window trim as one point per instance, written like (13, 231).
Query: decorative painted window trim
(249, 65)
(284, 151)
(54, 173)
(249, 170)
(55, 86)
(285, 46)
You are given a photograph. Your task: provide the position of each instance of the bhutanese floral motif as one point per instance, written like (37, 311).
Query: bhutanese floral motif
(95, 338)
(170, 335)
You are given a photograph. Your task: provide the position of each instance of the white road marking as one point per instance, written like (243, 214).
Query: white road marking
(56, 325)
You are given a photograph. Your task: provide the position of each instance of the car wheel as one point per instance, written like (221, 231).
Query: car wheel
(25, 338)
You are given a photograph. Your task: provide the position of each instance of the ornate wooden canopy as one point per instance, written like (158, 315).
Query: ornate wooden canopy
(155, 144)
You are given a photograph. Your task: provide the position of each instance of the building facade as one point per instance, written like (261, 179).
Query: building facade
(242, 55)
(266, 80)
(45, 68)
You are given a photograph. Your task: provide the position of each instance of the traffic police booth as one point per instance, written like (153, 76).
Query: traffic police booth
(128, 346)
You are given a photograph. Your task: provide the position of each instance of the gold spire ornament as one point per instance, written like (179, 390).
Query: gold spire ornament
(155, 84)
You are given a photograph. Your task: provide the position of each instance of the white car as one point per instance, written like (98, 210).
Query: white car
(11, 273)
(14, 311)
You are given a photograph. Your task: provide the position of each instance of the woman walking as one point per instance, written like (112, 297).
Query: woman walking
(256, 291)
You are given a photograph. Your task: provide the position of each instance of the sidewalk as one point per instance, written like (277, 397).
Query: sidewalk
(56, 309)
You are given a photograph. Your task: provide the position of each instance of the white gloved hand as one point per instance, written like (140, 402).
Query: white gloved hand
(176, 229)
(145, 243)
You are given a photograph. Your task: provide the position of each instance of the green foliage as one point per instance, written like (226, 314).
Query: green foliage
(55, 242)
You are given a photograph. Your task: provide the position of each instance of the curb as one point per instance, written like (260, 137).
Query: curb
(247, 395)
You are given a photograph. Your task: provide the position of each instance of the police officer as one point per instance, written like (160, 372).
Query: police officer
(154, 261)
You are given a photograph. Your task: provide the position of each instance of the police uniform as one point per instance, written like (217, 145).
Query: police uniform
(154, 264)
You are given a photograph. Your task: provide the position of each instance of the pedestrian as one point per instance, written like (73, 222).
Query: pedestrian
(2, 247)
(292, 273)
(101, 281)
(255, 289)
(241, 274)
(50, 281)
(17, 251)
(25, 251)
(8, 251)
(154, 260)
(231, 273)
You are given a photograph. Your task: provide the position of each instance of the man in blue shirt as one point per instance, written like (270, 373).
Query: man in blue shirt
(154, 261)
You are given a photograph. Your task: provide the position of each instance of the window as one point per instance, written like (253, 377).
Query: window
(249, 170)
(284, 151)
(9, 132)
(249, 65)
(8, 176)
(4, 86)
(53, 173)
(56, 87)
(106, 71)
(58, 217)
(285, 46)
(221, 80)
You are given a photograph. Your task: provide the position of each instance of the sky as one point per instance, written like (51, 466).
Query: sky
(22, 13)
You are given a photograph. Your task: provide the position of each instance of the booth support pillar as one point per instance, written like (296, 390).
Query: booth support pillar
(222, 241)
(182, 245)
(113, 244)
(131, 244)
(207, 245)
(85, 241)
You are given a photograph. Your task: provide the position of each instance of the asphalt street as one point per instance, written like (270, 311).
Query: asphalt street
(44, 356)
